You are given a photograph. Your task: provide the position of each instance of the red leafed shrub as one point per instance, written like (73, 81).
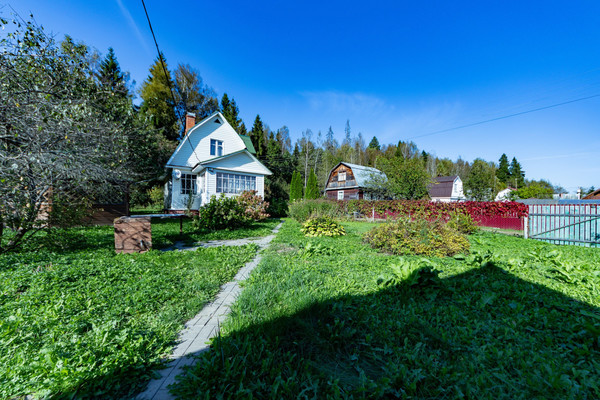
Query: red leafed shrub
(427, 209)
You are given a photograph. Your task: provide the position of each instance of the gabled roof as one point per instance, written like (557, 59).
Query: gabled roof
(216, 117)
(441, 186)
(248, 143)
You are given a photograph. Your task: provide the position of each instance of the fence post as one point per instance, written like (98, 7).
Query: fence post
(525, 227)
(373, 214)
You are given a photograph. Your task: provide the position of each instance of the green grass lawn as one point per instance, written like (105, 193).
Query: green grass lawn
(333, 318)
(165, 232)
(79, 321)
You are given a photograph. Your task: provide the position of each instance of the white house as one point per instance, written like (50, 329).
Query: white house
(211, 159)
(446, 189)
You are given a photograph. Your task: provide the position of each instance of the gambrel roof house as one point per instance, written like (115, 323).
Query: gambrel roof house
(595, 195)
(348, 181)
(211, 159)
(446, 189)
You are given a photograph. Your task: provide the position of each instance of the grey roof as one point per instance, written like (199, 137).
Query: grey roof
(361, 173)
(441, 187)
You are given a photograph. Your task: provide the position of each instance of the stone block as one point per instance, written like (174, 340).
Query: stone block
(133, 235)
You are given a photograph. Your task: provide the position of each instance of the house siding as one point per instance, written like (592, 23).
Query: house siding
(349, 194)
(334, 183)
(199, 138)
(206, 185)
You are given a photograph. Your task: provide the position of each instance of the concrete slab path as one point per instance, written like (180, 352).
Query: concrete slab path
(204, 326)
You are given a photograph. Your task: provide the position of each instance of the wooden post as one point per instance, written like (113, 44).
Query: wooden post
(526, 227)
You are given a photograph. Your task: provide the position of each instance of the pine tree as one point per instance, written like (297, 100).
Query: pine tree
(312, 187)
(347, 134)
(158, 99)
(503, 171)
(399, 148)
(257, 136)
(374, 144)
(231, 113)
(296, 187)
(517, 175)
(243, 130)
(111, 76)
(425, 158)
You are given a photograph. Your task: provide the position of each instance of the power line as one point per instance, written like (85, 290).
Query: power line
(504, 117)
(160, 57)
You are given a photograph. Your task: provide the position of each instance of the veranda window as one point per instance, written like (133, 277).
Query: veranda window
(234, 183)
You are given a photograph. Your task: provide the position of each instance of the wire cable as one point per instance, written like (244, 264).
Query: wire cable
(504, 117)
(160, 57)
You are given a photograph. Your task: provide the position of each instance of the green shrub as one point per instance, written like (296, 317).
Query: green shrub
(462, 222)
(230, 212)
(156, 196)
(304, 210)
(68, 211)
(322, 226)
(431, 238)
(278, 208)
(220, 213)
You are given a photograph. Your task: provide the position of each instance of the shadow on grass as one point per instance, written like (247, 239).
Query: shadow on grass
(481, 334)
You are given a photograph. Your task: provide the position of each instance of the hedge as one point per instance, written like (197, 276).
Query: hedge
(393, 208)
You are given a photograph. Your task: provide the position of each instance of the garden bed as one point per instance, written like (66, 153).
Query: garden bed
(330, 317)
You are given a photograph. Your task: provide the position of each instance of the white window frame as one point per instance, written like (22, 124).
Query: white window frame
(342, 176)
(234, 183)
(340, 195)
(216, 147)
(188, 184)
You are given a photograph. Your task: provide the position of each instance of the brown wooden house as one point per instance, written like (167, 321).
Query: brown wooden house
(595, 195)
(350, 182)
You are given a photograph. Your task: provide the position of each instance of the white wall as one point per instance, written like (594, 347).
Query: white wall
(206, 185)
(180, 201)
(199, 137)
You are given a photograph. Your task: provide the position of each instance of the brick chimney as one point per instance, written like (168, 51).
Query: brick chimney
(190, 121)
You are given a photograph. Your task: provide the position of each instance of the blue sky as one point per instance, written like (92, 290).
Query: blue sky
(397, 70)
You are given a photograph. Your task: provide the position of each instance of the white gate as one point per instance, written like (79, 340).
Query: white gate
(574, 222)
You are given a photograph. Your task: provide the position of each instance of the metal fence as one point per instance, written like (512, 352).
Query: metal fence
(572, 222)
